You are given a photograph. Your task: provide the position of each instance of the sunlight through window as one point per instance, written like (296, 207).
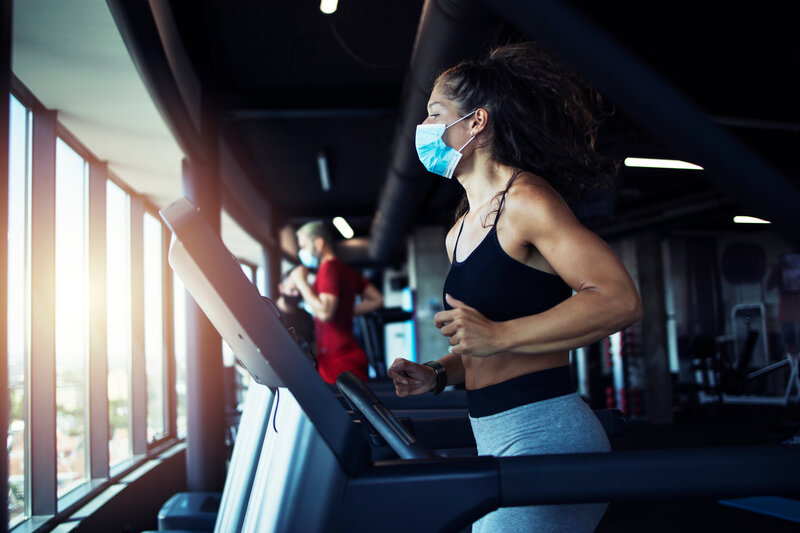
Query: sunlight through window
(18, 304)
(72, 325)
(179, 322)
(118, 313)
(153, 328)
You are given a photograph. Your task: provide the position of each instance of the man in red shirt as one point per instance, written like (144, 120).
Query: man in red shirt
(331, 298)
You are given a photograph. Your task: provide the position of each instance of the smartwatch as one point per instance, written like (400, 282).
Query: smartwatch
(441, 376)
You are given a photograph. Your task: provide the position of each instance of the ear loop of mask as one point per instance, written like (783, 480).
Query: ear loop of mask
(459, 120)
(466, 143)
(462, 118)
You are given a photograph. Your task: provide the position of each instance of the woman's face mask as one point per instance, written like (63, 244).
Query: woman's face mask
(434, 153)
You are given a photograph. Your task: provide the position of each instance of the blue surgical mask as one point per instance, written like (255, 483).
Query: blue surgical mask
(434, 153)
(307, 258)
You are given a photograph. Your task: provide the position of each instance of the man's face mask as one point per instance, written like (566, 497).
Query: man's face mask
(308, 258)
(434, 153)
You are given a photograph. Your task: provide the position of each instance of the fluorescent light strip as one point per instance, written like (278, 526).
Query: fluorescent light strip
(328, 6)
(740, 219)
(324, 176)
(660, 163)
(343, 227)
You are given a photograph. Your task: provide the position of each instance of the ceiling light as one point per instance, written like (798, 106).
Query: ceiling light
(343, 227)
(750, 220)
(660, 163)
(324, 177)
(328, 6)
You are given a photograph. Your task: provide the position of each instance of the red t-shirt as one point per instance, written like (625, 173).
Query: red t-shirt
(337, 346)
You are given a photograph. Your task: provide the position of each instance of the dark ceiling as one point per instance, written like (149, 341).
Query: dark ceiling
(289, 83)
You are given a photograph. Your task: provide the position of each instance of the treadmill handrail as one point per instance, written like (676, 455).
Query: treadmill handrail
(637, 475)
(364, 401)
(478, 485)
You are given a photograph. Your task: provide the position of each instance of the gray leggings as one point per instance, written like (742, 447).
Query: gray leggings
(564, 424)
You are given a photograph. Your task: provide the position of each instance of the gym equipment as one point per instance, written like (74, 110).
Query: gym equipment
(315, 472)
(751, 313)
(725, 379)
(373, 328)
(776, 506)
(211, 511)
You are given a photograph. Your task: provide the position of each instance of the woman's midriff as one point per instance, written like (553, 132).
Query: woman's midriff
(481, 372)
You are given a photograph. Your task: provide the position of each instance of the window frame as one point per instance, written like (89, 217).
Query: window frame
(43, 507)
(124, 463)
(26, 319)
(84, 310)
(166, 337)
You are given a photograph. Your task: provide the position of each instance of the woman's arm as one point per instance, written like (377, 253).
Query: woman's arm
(412, 378)
(605, 299)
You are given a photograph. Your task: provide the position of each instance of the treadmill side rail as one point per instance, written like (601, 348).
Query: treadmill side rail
(441, 495)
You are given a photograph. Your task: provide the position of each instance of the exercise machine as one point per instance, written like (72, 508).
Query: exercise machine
(316, 471)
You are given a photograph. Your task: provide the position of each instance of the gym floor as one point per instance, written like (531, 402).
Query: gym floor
(704, 426)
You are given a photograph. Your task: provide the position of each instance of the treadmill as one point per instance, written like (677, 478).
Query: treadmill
(318, 472)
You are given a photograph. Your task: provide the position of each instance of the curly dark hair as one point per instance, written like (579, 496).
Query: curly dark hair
(543, 117)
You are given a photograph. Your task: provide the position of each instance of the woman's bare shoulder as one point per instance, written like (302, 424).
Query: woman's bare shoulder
(531, 199)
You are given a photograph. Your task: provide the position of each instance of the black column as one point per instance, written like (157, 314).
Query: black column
(271, 263)
(205, 451)
(652, 344)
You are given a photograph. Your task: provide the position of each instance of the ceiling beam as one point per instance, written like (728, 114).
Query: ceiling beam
(276, 98)
(137, 26)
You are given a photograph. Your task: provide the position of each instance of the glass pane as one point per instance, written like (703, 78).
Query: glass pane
(72, 301)
(118, 316)
(228, 357)
(18, 304)
(153, 328)
(248, 271)
(179, 311)
(260, 281)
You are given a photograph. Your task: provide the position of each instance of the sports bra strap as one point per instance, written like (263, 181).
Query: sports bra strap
(503, 197)
(455, 246)
(499, 208)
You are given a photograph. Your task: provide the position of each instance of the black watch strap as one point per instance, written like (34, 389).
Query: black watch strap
(441, 376)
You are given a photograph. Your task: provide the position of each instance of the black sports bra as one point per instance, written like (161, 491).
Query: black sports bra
(499, 286)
